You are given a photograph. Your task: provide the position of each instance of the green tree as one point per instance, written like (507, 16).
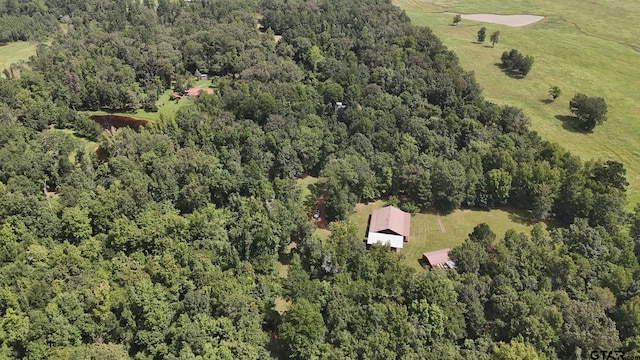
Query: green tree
(468, 256)
(554, 91)
(76, 225)
(315, 57)
(495, 37)
(514, 350)
(448, 185)
(589, 111)
(498, 186)
(482, 34)
(516, 62)
(586, 326)
(456, 19)
(303, 330)
(629, 314)
(482, 234)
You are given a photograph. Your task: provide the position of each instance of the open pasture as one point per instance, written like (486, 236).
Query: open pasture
(588, 47)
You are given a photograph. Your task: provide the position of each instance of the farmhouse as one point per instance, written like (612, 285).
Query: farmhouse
(389, 226)
(439, 259)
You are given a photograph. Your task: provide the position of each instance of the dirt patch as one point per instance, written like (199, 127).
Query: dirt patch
(508, 20)
(321, 222)
(441, 226)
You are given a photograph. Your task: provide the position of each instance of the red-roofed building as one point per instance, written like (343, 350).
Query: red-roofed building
(439, 259)
(390, 226)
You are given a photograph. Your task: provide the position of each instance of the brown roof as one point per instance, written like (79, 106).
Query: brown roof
(438, 258)
(390, 218)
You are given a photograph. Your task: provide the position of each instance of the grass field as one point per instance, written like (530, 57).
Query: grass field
(14, 52)
(588, 47)
(89, 146)
(426, 234)
(304, 184)
(166, 107)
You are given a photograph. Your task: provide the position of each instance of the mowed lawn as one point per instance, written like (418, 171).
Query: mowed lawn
(428, 235)
(588, 47)
(13, 53)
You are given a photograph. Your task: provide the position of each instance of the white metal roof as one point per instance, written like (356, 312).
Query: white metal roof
(395, 241)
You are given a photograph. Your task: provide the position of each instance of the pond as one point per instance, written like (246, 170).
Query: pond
(108, 121)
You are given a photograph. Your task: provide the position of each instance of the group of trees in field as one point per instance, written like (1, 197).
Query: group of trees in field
(482, 35)
(513, 61)
(589, 111)
(168, 243)
(516, 62)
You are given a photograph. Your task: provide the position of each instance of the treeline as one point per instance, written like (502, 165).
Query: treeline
(28, 20)
(164, 243)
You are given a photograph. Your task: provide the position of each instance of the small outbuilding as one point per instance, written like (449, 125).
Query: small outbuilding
(439, 259)
(389, 226)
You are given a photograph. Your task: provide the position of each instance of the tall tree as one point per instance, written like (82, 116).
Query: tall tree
(589, 111)
(554, 91)
(303, 330)
(482, 34)
(495, 37)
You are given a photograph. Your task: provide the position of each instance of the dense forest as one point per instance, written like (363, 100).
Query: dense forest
(163, 243)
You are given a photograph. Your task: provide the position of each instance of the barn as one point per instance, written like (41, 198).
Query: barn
(389, 226)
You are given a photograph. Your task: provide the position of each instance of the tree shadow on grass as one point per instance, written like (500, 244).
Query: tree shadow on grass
(510, 73)
(433, 210)
(525, 217)
(311, 201)
(569, 123)
(546, 101)
(285, 257)
(522, 217)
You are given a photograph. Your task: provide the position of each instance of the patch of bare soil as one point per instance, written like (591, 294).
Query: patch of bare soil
(321, 222)
(509, 20)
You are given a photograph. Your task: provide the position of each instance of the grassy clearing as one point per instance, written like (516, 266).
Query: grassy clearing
(166, 107)
(587, 47)
(89, 146)
(13, 53)
(281, 305)
(304, 184)
(427, 236)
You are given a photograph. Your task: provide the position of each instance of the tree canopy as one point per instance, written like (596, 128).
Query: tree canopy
(589, 111)
(516, 62)
(189, 237)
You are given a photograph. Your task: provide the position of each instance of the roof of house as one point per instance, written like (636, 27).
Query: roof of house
(395, 241)
(196, 91)
(439, 259)
(390, 218)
